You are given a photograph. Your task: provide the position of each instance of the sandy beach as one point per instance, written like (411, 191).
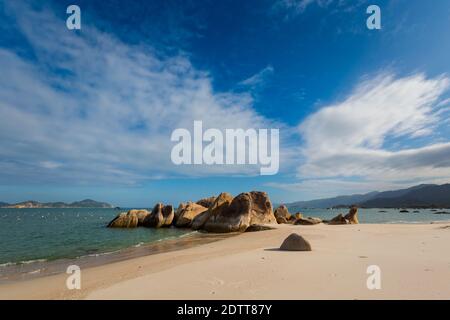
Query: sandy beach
(413, 260)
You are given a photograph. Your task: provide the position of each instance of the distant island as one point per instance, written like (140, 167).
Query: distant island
(420, 196)
(87, 203)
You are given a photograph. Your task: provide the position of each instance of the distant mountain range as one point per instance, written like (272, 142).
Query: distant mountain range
(421, 196)
(88, 203)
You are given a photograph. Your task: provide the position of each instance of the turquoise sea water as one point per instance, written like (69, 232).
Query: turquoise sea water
(388, 216)
(28, 235)
(50, 234)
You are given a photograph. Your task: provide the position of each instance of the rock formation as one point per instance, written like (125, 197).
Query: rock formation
(124, 220)
(282, 214)
(352, 215)
(188, 213)
(350, 218)
(244, 210)
(339, 219)
(161, 216)
(295, 242)
(178, 212)
(206, 202)
(140, 214)
(220, 203)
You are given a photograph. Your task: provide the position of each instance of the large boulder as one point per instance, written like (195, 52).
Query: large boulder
(352, 215)
(295, 242)
(282, 214)
(206, 202)
(168, 215)
(188, 213)
(244, 210)
(309, 221)
(179, 211)
(124, 220)
(220, 203)
(141, 214)
(161, 216)
(199, 221)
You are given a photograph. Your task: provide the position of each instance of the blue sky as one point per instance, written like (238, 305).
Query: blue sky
(88, 113)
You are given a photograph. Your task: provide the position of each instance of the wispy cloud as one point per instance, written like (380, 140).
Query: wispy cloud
(351, 138)
(259, 79)
(298, 6)
(85, 106)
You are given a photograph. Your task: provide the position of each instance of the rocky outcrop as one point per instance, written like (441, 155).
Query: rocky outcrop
(199, 221)
(295, 242)
(244, 210)
(350, 218)
(140, 214)
(188, 213)
(161, 216)
(124, 220)
(282, 214)
(309, 221)
(220, 204)
(206, 202)
(352, 215)
(178, 212)
(339, 219)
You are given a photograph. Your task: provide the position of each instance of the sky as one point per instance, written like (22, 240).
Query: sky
(89, 113)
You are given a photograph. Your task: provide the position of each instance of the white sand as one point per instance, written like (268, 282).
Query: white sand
(414, 262)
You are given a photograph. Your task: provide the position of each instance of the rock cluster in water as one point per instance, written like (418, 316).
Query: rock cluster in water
(350, 218)
(248, 211)
(220, 214)
(283, 216)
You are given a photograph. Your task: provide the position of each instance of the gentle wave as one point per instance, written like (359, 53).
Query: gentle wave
(22, 262)
(177, 237)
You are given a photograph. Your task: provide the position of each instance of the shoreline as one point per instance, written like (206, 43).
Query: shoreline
(249, 266)
(12, 272)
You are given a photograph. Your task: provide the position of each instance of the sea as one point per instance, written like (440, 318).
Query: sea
(35, 242)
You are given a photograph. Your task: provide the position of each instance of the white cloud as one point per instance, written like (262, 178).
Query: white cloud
(103, 108)
(350, 138)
